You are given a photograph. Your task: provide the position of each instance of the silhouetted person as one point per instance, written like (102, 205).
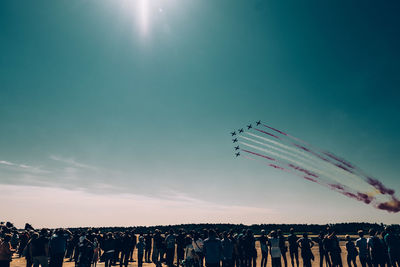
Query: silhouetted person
(132, 246)
(227, 251)
(170, 246)
(305, 245)
(283, 247)
(212, 250)
(148, 242)
(392, 241)
(275, 250)
(351, 252)
(264, 248)
(327, 247)
(376, 249)
(24, 239)
(57, 247)
(39, 250)
(198, 246)
(322, 251)
(125, 248)
(363, 253)
(293, 247)
(109, 249)
(385, 248)
(251, 252)
(85, 253)
(6, 251)
(157, 248)
(180, 247)
(335, 250)
(140, 250)
(189, 254)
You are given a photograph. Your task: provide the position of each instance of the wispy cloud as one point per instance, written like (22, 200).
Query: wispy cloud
(73, 162)
(4, 162)
(61, 172)
(18, 167)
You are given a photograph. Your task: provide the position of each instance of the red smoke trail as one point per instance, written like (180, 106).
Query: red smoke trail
(329, 154)
(378, 185)
(343, 168)
(275, 166)
(270, 134)
(343, 164)
(390, 206)
(303, 170)
(276, 130)
(347, 192)
(257, 154)
(312, 152)
(309, 173)
(393, 205)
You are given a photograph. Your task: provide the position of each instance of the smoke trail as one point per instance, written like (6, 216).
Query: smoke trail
(327, 153)
(380, 187)
(267, 133)
(336, 187)
(275, 166)
(320, 172)
(348, 167)
(382, 197)
(309, 160)
(303, 153)
(257, 154)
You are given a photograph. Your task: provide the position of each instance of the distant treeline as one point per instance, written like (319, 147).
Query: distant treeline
(340, 228)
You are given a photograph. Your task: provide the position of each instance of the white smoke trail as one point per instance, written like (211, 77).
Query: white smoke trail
(334, 170)
(322, 174)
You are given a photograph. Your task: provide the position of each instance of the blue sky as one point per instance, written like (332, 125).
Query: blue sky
(138, 97)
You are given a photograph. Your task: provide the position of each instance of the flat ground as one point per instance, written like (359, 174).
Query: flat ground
(20, 262)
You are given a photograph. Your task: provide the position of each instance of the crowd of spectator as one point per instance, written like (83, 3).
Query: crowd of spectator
(209, 247)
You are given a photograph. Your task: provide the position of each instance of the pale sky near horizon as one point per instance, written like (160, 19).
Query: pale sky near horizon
(119, 112)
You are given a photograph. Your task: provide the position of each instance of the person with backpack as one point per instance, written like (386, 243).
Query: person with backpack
(351, 252)
(376, 249)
